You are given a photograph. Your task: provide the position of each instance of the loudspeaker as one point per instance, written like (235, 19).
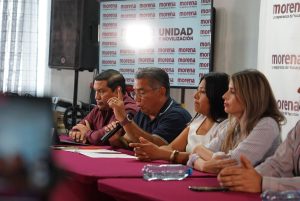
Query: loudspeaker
(74, 35)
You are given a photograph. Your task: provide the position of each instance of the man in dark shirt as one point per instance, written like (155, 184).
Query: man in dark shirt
(106, 85)
(160, 118)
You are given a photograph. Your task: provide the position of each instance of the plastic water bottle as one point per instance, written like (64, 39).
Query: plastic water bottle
(166, 172)
(281, 195)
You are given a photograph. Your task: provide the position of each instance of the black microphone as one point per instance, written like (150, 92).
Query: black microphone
(109, 134)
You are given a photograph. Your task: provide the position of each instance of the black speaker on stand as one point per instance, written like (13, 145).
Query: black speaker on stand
(74, 39)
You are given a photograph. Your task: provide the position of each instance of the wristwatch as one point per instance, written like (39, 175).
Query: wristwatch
(128, 119)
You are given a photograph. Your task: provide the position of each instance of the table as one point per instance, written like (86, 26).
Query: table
(121, 179)
(88, 169)
(140, 189)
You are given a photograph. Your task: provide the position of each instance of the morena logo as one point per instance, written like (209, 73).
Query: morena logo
(147, 15)
(186, 60)
(203, 65)
(186, 80)
(201, 75)
(187, 50)
(110, 25)
(205, 22)
(109, 34)
(188, 3)
(206, 11)
(204, 55)
(205, 32)
(146, 51)
(109, 6)
(109, 62)
(168, 70)
(166, 50)
(110, 15)
(126, 70)
(128, 7)
(289, 59)
(205, 1)
(186, 70)
(167, 4)
(127, 61)
(167, 14)
(146, 60)
(147, 5)
(286, 8)
(205, 44)
(188, 14)
(109, 43)
(127, 51)
(109, 53)
(165, 60)
(128, 16)
(289, 105)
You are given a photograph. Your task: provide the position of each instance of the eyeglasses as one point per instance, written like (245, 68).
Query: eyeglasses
(141, 93)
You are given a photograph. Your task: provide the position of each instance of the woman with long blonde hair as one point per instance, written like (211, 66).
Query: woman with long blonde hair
(253, 128)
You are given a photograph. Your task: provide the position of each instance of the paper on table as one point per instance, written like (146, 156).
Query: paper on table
(106, 155)
(102, 151)
(84, 150)
(97, 153)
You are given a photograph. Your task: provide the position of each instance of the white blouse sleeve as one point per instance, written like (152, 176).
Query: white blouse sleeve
(215, 143)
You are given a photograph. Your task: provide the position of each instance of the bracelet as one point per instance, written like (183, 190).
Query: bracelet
(192, 159)
(128, 119)
(173, 156)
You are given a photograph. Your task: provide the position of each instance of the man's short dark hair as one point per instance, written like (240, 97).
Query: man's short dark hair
(114, 79)
(156, 78)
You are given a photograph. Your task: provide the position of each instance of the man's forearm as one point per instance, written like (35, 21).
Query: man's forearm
(94, 136)
(134, 132)
(281, 183)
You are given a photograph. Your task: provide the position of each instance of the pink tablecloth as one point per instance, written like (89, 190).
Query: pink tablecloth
(90, 169)
(139, 189)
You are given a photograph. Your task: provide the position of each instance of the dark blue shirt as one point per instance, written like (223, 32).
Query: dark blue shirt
(168, 124)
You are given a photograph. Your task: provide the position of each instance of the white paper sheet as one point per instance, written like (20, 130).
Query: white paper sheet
(95, 153)
(106, 155)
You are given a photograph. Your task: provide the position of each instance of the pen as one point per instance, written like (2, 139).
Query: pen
(208, 188)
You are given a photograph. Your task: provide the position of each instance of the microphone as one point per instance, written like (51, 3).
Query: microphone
(109, 134)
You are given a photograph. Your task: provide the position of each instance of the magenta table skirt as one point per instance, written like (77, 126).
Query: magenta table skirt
(139, 189)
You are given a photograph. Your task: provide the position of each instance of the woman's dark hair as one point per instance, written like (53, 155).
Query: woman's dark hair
(216, 85)
(114, 79)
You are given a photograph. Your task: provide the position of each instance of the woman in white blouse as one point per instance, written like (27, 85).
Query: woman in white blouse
(253, 128)
(208, 104)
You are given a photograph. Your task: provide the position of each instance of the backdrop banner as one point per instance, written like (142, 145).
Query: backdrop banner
(279, 54)
(172, 35)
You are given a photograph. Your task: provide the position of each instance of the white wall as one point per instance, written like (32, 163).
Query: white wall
(236, 34)
(236, 41)
(62, 84)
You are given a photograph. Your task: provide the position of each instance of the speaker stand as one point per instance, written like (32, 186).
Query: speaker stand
(75, 93)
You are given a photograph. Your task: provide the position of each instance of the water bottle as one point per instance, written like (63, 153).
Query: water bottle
(166, 172)
(281, 195)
